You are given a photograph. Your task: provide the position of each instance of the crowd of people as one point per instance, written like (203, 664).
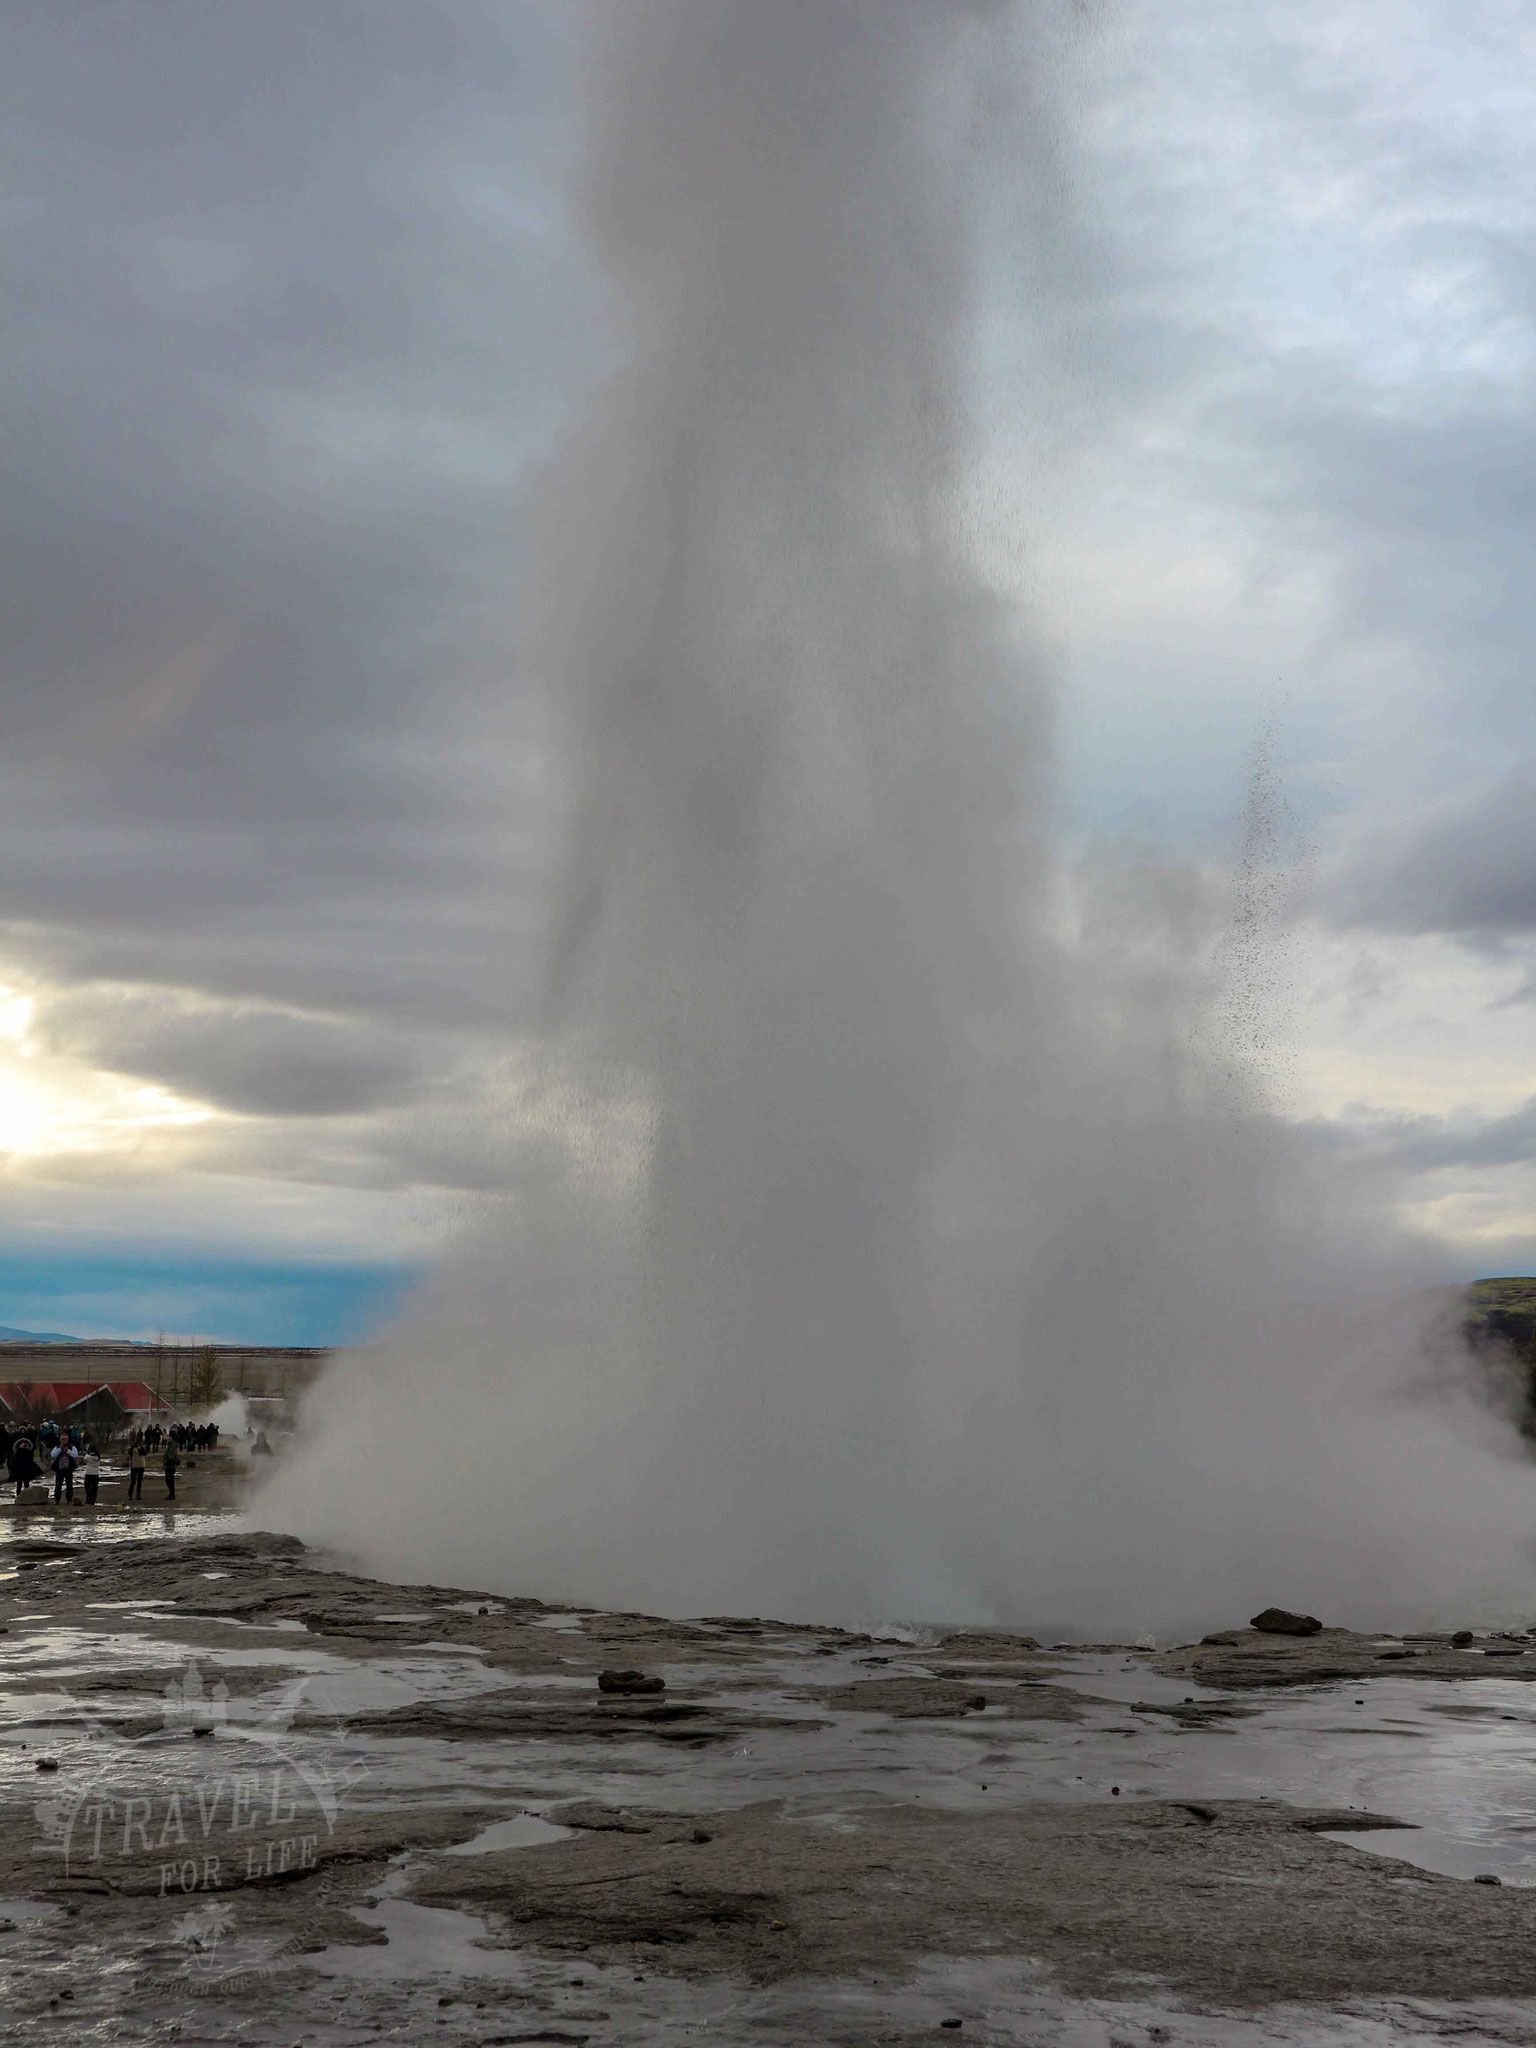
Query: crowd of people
(186, 1436)
(57, 1450)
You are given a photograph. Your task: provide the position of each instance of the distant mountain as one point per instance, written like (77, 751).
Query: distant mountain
(21, 1339)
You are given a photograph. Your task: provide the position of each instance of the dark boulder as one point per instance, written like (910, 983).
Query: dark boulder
(629, 1682)
(1275, 1621)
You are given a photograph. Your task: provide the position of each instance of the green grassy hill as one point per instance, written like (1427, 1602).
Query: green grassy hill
(1501, 1324)
(1504, 1308)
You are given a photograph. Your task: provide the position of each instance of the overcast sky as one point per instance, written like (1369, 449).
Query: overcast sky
(294, 311)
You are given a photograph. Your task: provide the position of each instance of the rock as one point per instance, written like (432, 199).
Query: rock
(594, 1818)
(629, 1682)
(1462, 1637)
(906, 1698)
(1276, 1621)
(1487, 1877)
(1223, 1639)
(47, 1763)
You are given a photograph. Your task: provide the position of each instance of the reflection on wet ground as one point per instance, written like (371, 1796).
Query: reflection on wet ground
(1454, 1758)
(437, 1964)
(34, 1524)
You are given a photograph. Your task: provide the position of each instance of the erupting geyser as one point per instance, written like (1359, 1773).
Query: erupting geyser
(903, 1243)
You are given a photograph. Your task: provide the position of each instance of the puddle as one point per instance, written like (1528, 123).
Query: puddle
(520, 1831)
(421, 1942)
(1127, 1679)
(28, 1912)
(1430, 1849)
(330, 1683)
(33, 1520)
(199, 1619)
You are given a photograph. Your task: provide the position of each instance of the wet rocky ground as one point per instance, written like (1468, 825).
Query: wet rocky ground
(248, 1796)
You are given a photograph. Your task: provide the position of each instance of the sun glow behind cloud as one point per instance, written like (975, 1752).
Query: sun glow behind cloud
(51, 1105)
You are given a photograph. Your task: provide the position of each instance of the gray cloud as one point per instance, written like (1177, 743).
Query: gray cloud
(241, 1058)
(1323, 336)
(293, 313)
(295, 309)
(1467, 869)
(1425, 1145)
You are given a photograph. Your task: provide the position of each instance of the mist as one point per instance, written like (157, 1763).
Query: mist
(905, 1221)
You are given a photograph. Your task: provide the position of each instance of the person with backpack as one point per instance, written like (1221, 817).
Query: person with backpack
(172, 1460)
(64, 1456)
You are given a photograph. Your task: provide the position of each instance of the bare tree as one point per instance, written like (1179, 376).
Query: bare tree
(207, 1380)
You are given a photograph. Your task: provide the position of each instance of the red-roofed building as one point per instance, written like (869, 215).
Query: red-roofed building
(26, 1399)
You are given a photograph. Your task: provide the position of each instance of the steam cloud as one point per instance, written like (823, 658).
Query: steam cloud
(903, 1230)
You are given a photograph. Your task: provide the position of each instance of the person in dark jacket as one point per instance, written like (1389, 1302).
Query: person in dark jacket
(64, 1456)
(23, 1466)
(172, 1461)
